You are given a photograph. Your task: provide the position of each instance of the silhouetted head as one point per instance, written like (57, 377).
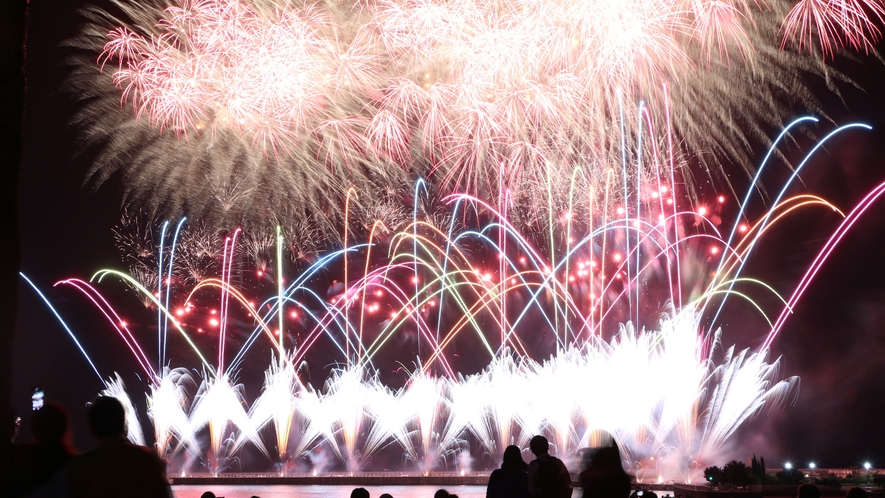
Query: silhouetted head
(808, 491)
(441, 493)
(539, 445)
(513, 459)
(207, 494)
(359, 493)
(107, 418)
(856, 492)
(608, 456)
(49, 424)
(385, 495)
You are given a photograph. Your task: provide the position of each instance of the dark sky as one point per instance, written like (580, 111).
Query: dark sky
(834, 341)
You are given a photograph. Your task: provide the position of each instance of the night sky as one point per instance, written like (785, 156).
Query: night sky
(834, 341)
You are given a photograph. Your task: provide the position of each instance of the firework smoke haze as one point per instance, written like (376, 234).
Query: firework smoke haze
(239, 111)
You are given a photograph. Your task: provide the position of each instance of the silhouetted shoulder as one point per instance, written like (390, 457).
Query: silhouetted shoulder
(117, 468)
(507, 485)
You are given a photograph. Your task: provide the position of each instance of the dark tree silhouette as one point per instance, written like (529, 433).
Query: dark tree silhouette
(713, 475)
(736, 473)
(757, 468)
(829, 481)
(790, 476)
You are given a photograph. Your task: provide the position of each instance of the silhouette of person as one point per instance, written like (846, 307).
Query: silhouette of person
(386, 495)
(35, 463)
(548, 477)
(511, 480)
(359, 493)
(605, 477)
(441, 493)
(115, 467)
(808, 491)
(207, 494)
(856, 492)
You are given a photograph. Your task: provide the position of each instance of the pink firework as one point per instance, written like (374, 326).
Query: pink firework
(835, 24)
(298, 102)
(223, 63)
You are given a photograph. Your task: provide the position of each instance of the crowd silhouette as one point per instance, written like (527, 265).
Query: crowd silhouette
(48, 466)
(512, 479)
(115, 468)
(34, 464)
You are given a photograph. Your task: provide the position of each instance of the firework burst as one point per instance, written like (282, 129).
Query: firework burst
(238, 111)
(494, 323)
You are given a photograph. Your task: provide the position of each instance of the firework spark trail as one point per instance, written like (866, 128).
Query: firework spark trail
(278, 402)
(218, 405)
(159, 294)
(64, 324)
(744, 383)
(743, 205)
(156, 302)
(119, 325)
(627, 349)
(767, 218)
(425, 397)
(262, 325)
(834, 24)
(115, 388)
(345, 406)
(167, 403)
(492, 99)
(676, 389)
(227, 263)
(170, 265)
(345, 410)
(349, 418)
(823, 255)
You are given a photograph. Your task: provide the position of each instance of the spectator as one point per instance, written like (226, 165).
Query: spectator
(604, 477)
(359, 493)
(441, 493)
(856, 492)
(511, 480)
(808, 491)
(115, 467)
(385, 495)
(548, 477)
(33, 464)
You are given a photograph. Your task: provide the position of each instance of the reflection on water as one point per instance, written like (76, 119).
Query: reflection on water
(322, 491)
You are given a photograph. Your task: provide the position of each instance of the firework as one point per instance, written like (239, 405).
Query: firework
(240, 112)
(535, 320)
(834, 24)
(116, 389)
